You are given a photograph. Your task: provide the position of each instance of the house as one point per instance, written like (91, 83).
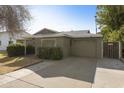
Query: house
(73, 43)
(6, 38)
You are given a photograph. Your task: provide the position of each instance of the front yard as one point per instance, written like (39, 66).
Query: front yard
(9, 64)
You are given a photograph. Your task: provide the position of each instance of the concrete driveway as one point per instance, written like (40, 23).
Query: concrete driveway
(70, 72)
(109, 74)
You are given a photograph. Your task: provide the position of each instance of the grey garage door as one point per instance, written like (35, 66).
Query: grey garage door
(84, 48)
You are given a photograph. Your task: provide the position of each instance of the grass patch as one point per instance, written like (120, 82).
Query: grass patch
(9, 64)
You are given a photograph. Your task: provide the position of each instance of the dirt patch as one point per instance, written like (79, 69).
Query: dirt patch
(9, 64)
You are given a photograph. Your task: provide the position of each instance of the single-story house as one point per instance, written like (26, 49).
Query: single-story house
(7, 38)
(73, 43)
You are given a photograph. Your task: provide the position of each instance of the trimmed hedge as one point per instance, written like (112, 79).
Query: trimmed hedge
(30, 49)
(19, 49)
(54, 53)
(15, 50)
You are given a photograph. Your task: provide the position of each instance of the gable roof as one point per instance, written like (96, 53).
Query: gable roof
(70, 34)
(45, 31)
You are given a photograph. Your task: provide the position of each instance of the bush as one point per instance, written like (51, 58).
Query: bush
(54, 53)
(30, 49)
(15, 50)
(43, 53)
(19, 50)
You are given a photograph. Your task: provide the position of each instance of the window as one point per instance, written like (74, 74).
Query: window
(0, 43)
(48, 43)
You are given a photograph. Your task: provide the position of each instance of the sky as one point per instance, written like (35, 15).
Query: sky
(62, 17)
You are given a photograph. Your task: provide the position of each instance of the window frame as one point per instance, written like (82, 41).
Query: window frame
(55, 43)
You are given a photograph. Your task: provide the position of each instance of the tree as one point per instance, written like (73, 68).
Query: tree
(112, 18)
(13, 18)
(109, 36)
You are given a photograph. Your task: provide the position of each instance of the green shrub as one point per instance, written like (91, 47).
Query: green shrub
(19, 50)
(54, 53)
(15, 50)
(43, 53)
(30, 49)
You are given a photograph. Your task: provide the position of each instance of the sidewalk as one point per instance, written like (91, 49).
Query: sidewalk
(12, 79)
(109, 74)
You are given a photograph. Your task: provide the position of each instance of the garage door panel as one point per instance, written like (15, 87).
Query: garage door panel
(84, 48)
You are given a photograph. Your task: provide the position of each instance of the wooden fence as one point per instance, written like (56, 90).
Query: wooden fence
(111, 49)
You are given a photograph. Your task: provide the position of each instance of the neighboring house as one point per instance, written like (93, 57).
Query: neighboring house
(6, 38)
(73, 43)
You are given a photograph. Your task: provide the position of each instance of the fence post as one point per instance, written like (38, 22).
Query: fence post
(102, 43)
(120, 50)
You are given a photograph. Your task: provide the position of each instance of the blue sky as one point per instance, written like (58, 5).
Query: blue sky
(62, 17)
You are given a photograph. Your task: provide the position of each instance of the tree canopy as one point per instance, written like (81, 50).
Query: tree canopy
(109, 36)
(111, 18)
(13, 18)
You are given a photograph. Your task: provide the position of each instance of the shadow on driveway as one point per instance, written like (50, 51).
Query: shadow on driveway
(109, 63)
(70, 72)
(76, 68)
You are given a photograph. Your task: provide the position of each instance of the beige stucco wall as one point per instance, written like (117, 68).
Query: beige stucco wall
(64, 43)
(66, 46)
(99, 48)
(87, 47)
(84, 47)
(61, 42)
(37, 44)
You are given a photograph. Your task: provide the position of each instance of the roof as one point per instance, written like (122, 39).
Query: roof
(45, 31)
(86, 35)
(17, 35)
(77, 32)
(70, 34)
(81, 34)
(15, 32)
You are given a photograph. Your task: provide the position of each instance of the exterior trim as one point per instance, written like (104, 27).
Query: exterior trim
(55, 44)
